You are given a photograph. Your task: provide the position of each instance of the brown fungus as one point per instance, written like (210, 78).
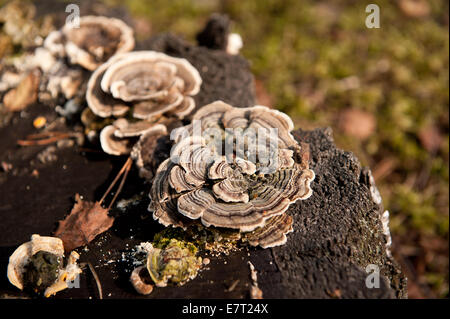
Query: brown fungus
(147, 87)
(113, 145)
(68, 56)
(249, 188)
(117, 139)
(40, 261)
(147, 150)
(273, 233)
(139, 281)
(96, 40)
(151, 83)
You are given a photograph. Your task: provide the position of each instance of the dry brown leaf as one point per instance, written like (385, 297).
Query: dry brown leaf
(24, 94)
(357, 123)
(83, 224)
(431, 138)
(262, 95)
(414, 8)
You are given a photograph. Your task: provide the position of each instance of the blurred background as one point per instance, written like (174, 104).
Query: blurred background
(384, 91)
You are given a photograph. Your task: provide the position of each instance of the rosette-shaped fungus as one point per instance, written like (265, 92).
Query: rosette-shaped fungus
(139, 88)
(92, 43)
(248, 187)
(38, 266)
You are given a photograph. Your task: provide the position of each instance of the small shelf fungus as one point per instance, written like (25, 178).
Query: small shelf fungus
(233, 168)
(173, 261)
(91, 44)
(144, 90)
(38, 266)
(68, 56)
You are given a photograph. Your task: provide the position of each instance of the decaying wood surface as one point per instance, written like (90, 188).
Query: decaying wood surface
(337, 232)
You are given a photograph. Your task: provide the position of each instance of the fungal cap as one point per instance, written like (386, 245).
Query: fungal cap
(273, 233)
(21, 256)
(143, 151)
(138, 282)
(235, 192)
(68, 274)
(113, 145)
(96, 40)
(150, 82)
(101, 103)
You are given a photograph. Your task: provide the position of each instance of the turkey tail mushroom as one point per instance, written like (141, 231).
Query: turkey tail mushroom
(149, 88)
(199, 183)
(96, 40)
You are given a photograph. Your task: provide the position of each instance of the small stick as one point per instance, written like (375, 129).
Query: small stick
(44, 138)
(45, 134)
(42, 141)
(97, 280)
(122, 182)
(124, 167)
(233, 285)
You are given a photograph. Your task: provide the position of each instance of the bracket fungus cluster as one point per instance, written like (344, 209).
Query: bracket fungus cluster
(38, 266)
(139, 88)
(92, 42)
(247, 189)
(86, 46)
(68, 56)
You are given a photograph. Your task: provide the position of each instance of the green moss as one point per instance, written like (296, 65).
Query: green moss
(419, 209)
(199, 237)
(176, 262)
(41, 272)
(168, 235)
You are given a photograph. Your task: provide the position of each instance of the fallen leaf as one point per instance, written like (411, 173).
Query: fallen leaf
(83, 224)
(24, 94)
(384, 167)
(142, 27)
(414, 8)
(357, 123)
(431, 138)
(335, 293)
(262, 96)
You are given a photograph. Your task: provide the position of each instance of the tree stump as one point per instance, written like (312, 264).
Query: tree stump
(338, 231)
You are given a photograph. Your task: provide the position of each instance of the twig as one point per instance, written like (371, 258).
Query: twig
(44, 138)
(119, 189)
(232, 286)
(124, 167)
(46, 134)
(97, 280)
